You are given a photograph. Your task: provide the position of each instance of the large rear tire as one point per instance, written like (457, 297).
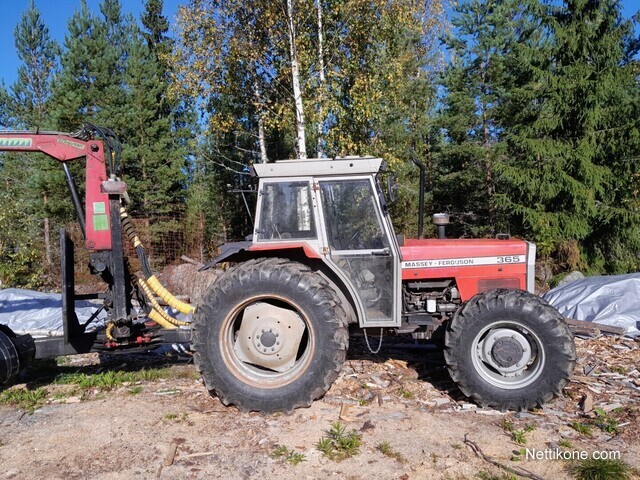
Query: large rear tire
(270, 335)
(509, 349)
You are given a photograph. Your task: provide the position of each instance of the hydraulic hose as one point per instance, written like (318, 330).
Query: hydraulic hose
(156, 306)
(108, 331)
(151, 280)
(170, 300)
(157, 317)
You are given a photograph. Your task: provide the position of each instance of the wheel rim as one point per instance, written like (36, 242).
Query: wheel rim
(267, 342)
(508, 355)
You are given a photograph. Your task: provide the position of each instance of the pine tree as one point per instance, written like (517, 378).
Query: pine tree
(38, 54)
(89, 86)
(571, 128)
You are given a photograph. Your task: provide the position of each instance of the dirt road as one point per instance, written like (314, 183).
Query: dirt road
(411, 420)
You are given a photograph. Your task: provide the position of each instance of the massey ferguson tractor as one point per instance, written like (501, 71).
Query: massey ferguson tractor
(272, 332)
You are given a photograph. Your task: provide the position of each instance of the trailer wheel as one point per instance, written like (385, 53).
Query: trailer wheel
(509, 349)
(269, 336)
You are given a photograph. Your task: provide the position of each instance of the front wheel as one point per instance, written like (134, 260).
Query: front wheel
(270, 336)
(509, 349)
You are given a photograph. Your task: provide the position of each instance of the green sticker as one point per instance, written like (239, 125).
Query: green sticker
(98, 207)
(100, 223)
(15, 142)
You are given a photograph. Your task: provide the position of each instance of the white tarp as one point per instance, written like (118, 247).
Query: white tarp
(610, 300)
(26, 311)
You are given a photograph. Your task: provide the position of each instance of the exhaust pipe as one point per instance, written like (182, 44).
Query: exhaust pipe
(423, 169)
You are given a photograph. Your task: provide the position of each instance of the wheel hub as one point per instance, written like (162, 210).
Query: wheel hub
(269, 337)
(507, 352)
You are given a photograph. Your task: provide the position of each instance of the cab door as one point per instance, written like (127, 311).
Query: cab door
(362, 246)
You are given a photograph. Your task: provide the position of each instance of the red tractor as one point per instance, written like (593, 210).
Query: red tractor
(272, 332)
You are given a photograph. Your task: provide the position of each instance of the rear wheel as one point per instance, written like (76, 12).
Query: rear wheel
(509, 349)
(270, 336)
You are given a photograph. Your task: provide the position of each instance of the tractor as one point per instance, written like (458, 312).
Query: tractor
(272, 332)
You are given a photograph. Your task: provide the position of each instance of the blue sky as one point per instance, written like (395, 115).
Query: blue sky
(56, 13)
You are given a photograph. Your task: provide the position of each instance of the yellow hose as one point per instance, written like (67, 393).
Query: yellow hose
(170, 300)
(156, 306)
(108, 331)
(157, 317)
(153, 282)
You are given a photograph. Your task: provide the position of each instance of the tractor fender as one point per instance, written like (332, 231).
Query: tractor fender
(296, 252)
(240, 251)
(226, 253)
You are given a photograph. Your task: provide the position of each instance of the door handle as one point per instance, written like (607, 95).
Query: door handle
(381, 253)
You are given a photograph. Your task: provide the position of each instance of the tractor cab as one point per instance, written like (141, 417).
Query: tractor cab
(337, 211)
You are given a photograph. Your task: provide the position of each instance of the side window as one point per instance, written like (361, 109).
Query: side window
(351, 217)
(286, 212)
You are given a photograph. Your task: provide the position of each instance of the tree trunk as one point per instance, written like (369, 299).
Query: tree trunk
(486, 144)
(261, 140)
(47, 236)
(295, 77)
(322, 85)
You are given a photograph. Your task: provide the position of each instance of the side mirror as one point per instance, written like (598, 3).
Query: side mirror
(392, 189)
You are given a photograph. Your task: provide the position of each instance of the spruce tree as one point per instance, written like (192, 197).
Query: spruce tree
(572, 136)
(475, 82)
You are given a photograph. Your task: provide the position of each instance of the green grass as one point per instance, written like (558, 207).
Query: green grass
(565, 443)
(507, 425)
(605, 422)
(489, 476)
(28, 400)
(337, 444)
(592, 469)
(111, 379)
(582, 428)
(134, 390)
(404, 393)
(290, 456)
(519, 436)
(386, 449)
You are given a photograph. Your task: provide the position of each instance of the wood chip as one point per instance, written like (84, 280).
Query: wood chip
(171, 454)
(587, 403)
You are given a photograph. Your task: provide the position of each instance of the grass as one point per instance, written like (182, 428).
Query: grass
(337, 444)
(28, 400)
(489, 476)
(386, 449)
(111, 379)
(581, 428)
(519, 436)
(290, 456)
(565, 443)
(134, 390)
(404, 393)
(605, 422)
(600, 469)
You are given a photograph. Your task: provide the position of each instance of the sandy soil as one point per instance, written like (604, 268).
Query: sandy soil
(172, 428)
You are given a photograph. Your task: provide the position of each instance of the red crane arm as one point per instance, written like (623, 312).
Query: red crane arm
(65, 148)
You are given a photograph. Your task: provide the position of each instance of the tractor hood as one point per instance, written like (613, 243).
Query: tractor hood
(498, 263)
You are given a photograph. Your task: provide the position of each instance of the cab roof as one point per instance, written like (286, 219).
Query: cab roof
(319, 167)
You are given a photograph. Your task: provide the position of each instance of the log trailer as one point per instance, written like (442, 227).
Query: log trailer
(272, 332)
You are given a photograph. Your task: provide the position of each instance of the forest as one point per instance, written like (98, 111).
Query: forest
(526, 114)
